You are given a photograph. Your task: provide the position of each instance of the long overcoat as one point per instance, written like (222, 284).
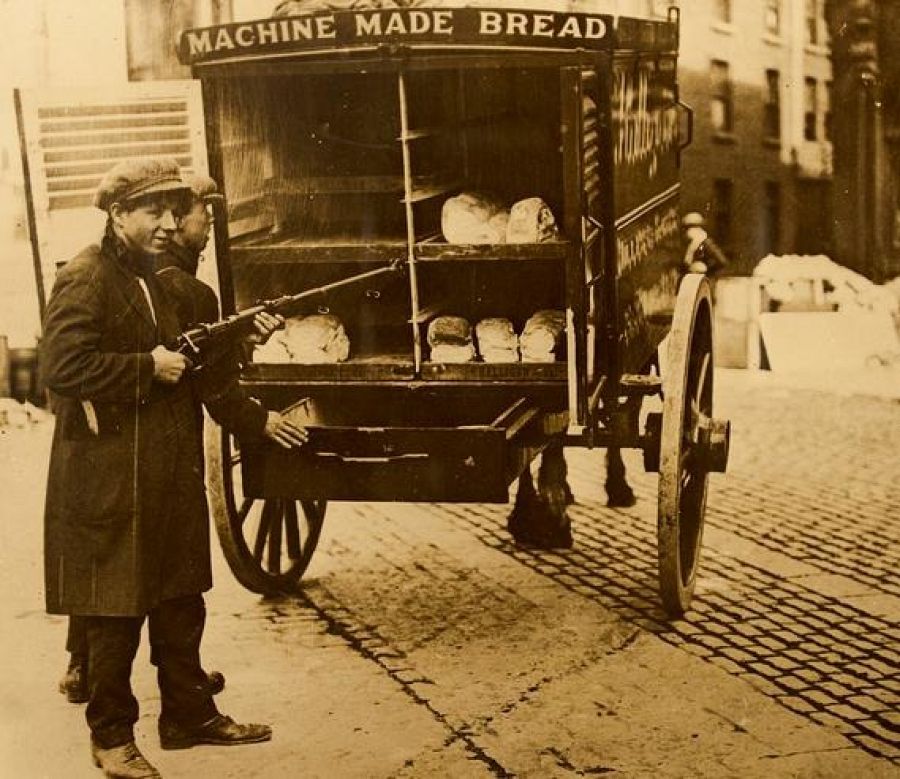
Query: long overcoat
(126, 523)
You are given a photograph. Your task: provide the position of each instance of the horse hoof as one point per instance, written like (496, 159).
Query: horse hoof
(559, 539)
(620, 497)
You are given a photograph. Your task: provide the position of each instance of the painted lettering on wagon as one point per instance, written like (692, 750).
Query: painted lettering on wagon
(636, 244)
(644, 131)
(458, 26)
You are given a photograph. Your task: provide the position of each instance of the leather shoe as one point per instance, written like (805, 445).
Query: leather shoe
(74, 684)
(219, 731)
(124, 762)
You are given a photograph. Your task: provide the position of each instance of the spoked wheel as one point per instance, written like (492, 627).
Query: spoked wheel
(692, 444)
(268, 542)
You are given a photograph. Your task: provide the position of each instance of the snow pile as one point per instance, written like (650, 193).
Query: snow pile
(815, 282)
(18, 415)
(825, 317)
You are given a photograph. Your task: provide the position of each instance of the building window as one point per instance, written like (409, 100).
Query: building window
(721, 211)
(723, 11)
(829, 100)
(810, 106)
(721, 109)
(772, 106)
(771, 217)
(773, 17)
(812, 22)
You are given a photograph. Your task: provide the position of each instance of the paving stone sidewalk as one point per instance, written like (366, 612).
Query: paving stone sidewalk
(426, 644)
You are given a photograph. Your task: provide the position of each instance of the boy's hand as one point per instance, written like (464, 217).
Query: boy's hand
(265, 324)
(168, 366)
(284, 432)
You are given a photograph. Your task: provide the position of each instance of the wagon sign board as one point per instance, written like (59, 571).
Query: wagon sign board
(414, 27)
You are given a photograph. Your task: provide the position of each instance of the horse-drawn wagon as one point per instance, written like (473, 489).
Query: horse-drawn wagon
(339, 139)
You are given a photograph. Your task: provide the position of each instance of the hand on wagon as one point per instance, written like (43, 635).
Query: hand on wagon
(284, 432)
(265, 324)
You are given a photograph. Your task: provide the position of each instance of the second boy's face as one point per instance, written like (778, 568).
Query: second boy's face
(194, 227)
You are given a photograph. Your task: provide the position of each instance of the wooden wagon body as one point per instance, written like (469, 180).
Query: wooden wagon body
(337, 139)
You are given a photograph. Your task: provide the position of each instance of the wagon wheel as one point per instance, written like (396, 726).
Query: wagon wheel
(692, 444)
(268, 542)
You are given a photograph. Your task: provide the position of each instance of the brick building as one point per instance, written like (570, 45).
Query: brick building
(758, 76)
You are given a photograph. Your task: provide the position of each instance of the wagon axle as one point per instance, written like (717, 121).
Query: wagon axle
(709, 441)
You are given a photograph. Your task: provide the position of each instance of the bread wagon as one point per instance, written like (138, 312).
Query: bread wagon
(499, 165)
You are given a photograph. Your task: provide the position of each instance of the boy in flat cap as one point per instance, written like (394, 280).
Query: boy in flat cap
(217, 386)
(126, 529)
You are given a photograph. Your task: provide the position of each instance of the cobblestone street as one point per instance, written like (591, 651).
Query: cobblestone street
(425, 644)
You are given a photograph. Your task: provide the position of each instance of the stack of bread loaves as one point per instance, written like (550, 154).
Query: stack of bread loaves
(497, 340)
(479, 218)
(319, 338)
(542, 336)
(450, 339)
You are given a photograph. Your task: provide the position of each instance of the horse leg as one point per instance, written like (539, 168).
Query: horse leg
(539, 518)
(526, 497)
(553, 497)
(618, 491)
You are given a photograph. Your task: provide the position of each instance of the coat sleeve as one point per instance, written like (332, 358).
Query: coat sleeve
(714, 257)
(220, 389)
(225, 399)
(74, 365)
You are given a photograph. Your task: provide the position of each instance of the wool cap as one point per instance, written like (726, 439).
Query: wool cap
(693, 219)
(203, 187)
(132, 179)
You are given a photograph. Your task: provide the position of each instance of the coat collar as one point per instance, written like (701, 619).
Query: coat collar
(179, 256)
(131, 266)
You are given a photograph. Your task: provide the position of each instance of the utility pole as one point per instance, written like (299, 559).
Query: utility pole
(861, 229)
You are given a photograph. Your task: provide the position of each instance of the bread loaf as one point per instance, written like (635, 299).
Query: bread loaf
(272, 351)
(319, 338)
(542, 336)
(449, 331)
(450, 339)
(452, 353)
(473, 217)
(531, 221)
(497, 340)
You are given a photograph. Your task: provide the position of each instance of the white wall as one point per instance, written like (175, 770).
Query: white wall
(45, 42)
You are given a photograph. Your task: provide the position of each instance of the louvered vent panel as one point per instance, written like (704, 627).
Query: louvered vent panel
(78, 144)
(71, 136)
(590, 138)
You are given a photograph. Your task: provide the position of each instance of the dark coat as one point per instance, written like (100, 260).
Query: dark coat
(126, 523)
(709, 253)
(217, 384)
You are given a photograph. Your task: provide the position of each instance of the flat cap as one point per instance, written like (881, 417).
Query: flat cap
(693, 219)
(132, 179)
(203, 187)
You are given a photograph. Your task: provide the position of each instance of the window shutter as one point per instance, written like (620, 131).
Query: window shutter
(71, 137)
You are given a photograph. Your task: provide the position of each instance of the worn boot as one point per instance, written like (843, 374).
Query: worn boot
(124, 762)
(74, 684)
(219, 731)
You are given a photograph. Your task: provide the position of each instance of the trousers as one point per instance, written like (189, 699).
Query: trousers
(176, 629)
